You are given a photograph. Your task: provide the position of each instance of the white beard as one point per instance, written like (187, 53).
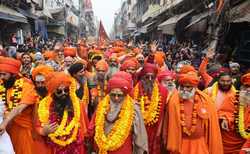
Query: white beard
(169, 87)
(187, 95)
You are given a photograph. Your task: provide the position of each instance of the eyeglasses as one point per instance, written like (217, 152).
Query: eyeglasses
(62, 91)
(116, 95)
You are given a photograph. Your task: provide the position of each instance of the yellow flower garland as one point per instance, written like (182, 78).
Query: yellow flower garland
(62, 130)
(151, 115)
(85, 97)
(121, 129)
(16, 93)
(241, 124)
(215, 89)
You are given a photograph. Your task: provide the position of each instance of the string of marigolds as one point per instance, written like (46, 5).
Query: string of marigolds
(150, 113)
(121, 129)
(239, 118)
(61, 135)
(15, 96)
(194, 119)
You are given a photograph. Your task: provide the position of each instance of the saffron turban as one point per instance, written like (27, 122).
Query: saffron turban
(102, 65)
(57, 79)
(43, 70)
(9, 65)
(118, 82)
(187, 68)
(129, 63)
(70, 51)
(49, 55)
(245, 79)
(189, 78)
(166, 73)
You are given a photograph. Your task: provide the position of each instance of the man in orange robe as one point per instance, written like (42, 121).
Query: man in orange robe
(39, 76)
(233, 142)
(19, 96)
(193, 126)
(98, 86)
(221, 89)
(145, 93)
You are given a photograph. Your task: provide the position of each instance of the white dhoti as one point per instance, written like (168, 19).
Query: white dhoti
(5, 142)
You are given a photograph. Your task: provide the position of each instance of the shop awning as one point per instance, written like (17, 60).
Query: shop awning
(144, 29)
(57, 30)
(27, 14)
(197, 18)
(7, 13)
(168, 26)
(241, 13)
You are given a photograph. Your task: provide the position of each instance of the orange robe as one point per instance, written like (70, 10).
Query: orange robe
(203, 72)
(20, 129)
(232, 141)
(206, 138)
(220, 96)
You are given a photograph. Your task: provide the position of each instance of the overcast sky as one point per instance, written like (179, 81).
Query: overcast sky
(105, 10)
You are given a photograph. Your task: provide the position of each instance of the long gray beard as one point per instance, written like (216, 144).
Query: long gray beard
(187, 95)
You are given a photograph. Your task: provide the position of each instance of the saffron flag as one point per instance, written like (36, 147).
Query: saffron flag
(103, 37)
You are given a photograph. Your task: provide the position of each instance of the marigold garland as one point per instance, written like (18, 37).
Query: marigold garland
(194, 118)
(63, 130)
(85, 97)
(152, 112)
(240, 118)
(15, 96)
(121, 129)
(215, 89)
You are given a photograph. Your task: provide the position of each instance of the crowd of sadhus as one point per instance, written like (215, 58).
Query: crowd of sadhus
(112, 99)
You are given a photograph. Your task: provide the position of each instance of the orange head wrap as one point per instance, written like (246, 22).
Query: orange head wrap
(102, 65)
(49, 55)
(9, 65)
(187, 68)
(56, 79)
(70, 51)
(245, 79)
(189, 78)
(129, 63)
(42, 70)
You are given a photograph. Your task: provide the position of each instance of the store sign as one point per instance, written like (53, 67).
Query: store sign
(72, 19)
(54, 4)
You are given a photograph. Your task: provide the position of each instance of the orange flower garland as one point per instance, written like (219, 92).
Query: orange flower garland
(194, 118)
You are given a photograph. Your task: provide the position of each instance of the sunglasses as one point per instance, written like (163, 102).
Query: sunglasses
(62, 91)
(116, 95)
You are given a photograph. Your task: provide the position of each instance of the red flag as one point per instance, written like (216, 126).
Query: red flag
(88, 5)
(102, 35)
